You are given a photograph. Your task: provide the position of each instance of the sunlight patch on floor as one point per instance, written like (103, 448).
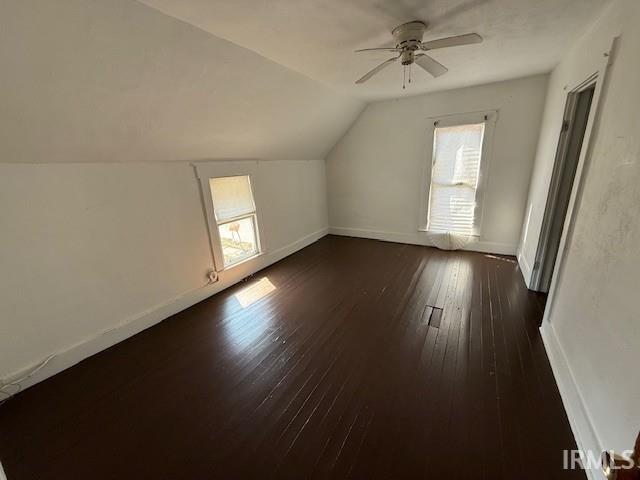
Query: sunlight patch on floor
(250, 295)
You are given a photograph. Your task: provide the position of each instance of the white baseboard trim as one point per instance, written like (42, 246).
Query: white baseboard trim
(419, 238)
(61, 360)
(579, 419)
(525, 268)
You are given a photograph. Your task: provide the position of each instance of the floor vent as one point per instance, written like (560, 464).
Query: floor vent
(435, 315)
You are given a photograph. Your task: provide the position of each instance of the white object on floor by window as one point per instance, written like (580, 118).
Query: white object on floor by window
(448, 240)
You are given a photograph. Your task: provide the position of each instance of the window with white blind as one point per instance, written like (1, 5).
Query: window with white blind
(455, 174)
(235, 214)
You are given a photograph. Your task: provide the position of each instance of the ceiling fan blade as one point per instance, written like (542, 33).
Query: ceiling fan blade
(370, 74)
(468, 39)
(430, 65)
(381, 49)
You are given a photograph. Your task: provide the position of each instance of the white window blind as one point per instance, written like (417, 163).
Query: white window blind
(457, 152)
(232, 197)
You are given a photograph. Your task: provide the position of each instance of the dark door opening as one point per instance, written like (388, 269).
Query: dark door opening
(570, 145)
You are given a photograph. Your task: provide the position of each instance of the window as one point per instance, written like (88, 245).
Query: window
(455, 174)
(235, 215)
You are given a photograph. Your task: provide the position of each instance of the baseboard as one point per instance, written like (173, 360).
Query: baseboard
(579, 419)
(61, 360)
(525, 268)
(419, 238)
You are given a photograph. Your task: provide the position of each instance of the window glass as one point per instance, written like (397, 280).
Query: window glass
(238, 239)
(455, 171)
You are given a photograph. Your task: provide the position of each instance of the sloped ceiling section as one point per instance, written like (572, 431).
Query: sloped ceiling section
(118, 81)
(318, 37)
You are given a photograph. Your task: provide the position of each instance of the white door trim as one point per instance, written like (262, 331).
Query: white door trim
(578, 183)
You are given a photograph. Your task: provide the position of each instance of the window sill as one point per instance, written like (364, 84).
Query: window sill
(244, 260)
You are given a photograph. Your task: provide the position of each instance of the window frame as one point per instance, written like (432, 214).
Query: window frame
(489, 118)
(252, 215)
(220, 169)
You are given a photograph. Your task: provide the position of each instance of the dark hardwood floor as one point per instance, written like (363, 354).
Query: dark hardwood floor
(344, 370)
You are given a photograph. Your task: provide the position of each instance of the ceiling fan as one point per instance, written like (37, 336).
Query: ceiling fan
(409, 47)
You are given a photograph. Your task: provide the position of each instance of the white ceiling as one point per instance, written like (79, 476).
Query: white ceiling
(317, 37)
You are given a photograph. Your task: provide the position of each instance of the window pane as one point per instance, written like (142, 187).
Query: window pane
(231, 197)
(454, 178)
(452, 209)
(238, 239)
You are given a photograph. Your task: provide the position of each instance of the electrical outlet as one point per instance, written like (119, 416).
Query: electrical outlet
(212, 275)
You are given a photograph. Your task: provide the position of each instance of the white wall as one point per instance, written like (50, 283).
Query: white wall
(375, 171)
(593, 329)
(88, 248)
(96, 80)
(580, 63)
(103, 103)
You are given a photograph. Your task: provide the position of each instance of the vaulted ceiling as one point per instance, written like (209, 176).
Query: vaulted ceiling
(165, 80)
(118, 81)
(317, 38)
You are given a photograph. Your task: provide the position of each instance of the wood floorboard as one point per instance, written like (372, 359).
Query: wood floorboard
(336, 373)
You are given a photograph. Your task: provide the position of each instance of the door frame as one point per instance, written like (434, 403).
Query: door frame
(562, 156)
(599, 79)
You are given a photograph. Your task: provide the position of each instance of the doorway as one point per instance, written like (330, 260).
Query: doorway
(570, 145)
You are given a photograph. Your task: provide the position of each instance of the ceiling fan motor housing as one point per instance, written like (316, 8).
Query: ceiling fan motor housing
(408, 37)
